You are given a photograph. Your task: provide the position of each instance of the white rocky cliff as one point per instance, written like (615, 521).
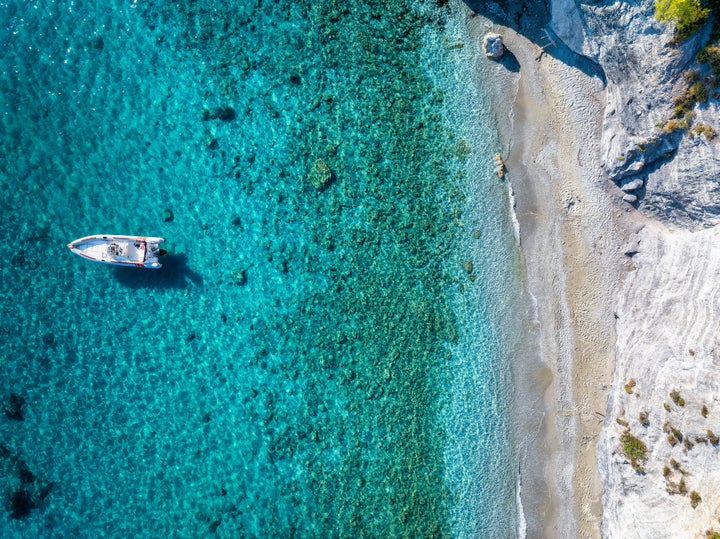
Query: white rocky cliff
(666, 389)
(671, 174)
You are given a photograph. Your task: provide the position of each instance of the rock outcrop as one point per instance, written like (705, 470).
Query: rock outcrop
(493, 46)
(644, 68)
(665, 390)
(320, 175)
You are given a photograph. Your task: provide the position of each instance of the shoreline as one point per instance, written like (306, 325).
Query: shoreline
(548, 169)
(571, 234)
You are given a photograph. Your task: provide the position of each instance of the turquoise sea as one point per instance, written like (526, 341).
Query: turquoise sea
(309, 362)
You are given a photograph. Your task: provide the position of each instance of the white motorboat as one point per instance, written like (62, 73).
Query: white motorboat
(139, 251)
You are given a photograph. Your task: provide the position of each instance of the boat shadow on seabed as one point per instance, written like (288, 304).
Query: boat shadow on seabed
(175, 273)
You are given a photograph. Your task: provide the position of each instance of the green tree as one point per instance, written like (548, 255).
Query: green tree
(688, 15)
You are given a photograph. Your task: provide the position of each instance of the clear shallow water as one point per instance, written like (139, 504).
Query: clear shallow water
(356, 384)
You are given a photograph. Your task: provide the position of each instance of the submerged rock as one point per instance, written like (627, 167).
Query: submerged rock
(240, 276)
(13, 406)
(493, 45)
(168, 215)
(98, 43)
(21, 503)
(25, 491)
(20, 260)
(320, 175)
(224, 114)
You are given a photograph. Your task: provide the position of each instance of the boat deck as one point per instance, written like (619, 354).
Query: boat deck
(119, 250)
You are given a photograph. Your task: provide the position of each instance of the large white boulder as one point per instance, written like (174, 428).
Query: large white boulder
(493, 45)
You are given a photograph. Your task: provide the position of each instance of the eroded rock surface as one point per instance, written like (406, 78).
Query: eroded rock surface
(644, 68)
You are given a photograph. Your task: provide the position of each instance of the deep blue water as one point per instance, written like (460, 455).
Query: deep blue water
(307, 363)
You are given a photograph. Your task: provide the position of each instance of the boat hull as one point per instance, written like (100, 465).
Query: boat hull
(118, 250)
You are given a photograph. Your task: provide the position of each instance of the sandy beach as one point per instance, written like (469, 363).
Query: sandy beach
(571, 233)
(570, 242)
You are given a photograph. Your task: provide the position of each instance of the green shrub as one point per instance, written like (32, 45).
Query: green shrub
(704, 411)
(688, 15)
(635, 449)
(682, 487)
(709, 133)
(699, 92)
(711, 56)
(685, 102)
(692, 75)
(695, 498)
(644, 419)
(713, 439)
(676, 398)
(669, 127)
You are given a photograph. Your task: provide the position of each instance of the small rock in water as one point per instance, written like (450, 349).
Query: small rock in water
(168, 215)
(225, 114)
(476, 234)
(25, 475)
(493, 45)
(20, 260)
(236, 220)
(499, 166)
(240, 276)
(21, 504)
(468, 266)
(13, 406)
(320, 175)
